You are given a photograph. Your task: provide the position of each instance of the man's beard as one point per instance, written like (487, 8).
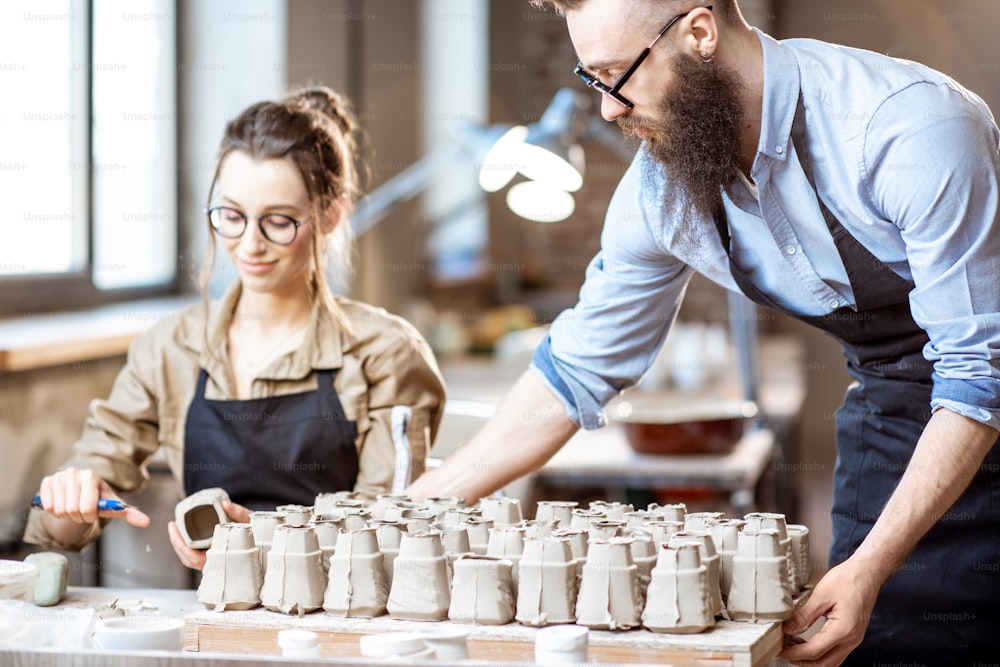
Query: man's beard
(696, 136)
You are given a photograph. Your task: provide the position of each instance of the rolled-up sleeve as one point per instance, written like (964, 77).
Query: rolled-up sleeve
(948, 213)
(120, 434)
(629, 300)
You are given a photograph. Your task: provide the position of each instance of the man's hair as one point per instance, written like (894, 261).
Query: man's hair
(726, 10)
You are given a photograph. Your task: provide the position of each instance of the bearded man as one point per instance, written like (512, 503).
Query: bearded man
(853, 191)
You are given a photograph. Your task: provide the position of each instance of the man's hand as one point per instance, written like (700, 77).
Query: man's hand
(195, 558)
(846, 597)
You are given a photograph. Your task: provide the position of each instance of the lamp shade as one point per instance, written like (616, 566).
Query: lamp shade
(549, 161)
(550, 153)
(540, 202)
(501, 161)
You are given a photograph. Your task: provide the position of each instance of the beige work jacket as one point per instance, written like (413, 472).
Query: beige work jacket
(387, 380)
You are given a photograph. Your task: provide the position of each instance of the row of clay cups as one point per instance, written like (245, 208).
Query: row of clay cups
(659, 521)
(198, 513)
(352, 516)
(357, 585)
(295, 580)
(794, 539)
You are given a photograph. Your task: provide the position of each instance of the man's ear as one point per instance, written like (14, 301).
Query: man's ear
(702, 35)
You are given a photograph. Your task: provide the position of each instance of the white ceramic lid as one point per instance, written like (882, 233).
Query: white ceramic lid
(387, 644)
(561, 638)
(296, 639)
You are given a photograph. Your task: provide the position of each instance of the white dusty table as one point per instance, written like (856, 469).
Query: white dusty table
(233, 638)
(255, 631)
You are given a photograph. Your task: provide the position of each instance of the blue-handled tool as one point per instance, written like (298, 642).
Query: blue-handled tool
(103, 505)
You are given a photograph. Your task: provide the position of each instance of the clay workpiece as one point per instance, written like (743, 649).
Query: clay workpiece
(197, 515)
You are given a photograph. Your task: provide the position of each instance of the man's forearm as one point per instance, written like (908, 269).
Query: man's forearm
(947, 457)
(529, 426)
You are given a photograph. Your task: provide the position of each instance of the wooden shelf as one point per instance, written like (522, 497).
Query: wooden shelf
(41, 341)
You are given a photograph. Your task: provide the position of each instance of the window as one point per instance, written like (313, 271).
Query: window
(88, 165)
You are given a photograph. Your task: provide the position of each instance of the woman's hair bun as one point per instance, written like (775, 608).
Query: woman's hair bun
(327, 102)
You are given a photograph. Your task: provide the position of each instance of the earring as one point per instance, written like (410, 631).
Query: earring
(706, 57)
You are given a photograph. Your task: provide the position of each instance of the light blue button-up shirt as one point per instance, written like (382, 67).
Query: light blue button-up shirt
(905, 158)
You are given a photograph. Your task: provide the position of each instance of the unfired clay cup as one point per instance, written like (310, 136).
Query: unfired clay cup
(613, 510)
(479, 533)
(232, 576)
(774, 521)
(726, 534)
(441, 504)
(560, 511)
(605, 529)
(294, 581)
(799, 535)
(502, 511)
(580, 518)
(760, 592)
(356, 586)
(197, 515)
(507, 542)
(483, 591)
(710, 559)
(420, 589)
(609, 590)
(296, 515)
(672, 512)
(547, 582)
(383, 501)
(389, 534)
(678, 598)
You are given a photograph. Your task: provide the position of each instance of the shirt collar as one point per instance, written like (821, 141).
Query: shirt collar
(781, 97)
(322, 348)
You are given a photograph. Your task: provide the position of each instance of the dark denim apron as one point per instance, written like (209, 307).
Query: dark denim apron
(271, 451)
(942, 607)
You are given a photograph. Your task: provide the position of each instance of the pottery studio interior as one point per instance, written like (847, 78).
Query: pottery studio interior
(318, 340)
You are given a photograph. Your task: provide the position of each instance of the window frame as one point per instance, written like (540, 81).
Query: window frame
(43, 293)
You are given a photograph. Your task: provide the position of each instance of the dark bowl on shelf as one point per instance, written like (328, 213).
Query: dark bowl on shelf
(700, 428)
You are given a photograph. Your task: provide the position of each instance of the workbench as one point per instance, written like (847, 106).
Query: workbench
(231, 638)
(603, 458)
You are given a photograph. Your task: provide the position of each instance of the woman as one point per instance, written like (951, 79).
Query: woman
(280, 390)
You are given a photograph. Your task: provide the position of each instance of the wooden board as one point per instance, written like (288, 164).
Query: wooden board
(255, 632)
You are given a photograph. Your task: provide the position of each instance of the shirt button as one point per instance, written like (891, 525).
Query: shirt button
(834, 303)
(790, 249)
(779, 150)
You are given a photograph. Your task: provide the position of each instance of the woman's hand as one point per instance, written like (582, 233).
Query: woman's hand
(195, 558)
(72, 495)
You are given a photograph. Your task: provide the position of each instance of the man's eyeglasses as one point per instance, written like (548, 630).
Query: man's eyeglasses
(612, 90)
(231, 223)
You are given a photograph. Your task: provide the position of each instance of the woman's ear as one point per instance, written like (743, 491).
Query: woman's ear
(333, 216)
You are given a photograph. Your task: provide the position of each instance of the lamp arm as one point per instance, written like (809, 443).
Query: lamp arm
(402, 187)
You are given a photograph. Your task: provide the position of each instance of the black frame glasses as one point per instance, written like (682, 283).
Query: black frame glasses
(612, 90)
(273, 221)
